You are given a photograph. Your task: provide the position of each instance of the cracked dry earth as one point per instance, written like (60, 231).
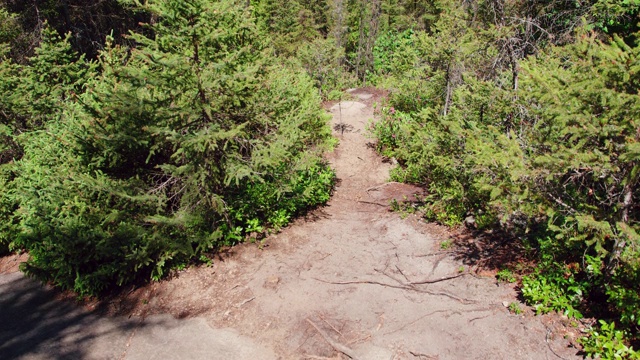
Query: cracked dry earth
(354, 280)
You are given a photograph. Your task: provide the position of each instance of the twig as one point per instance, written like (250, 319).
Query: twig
(546, 339)
(331, 326)
(128, 344)
(402, 273)
(436, 263)
(412, 286)
(478, 318)
(415, 321)
(434, 254)
(372, 203)
(245, 301)
(422, 282)
(339, 347)
(420, 355)
(381, 185)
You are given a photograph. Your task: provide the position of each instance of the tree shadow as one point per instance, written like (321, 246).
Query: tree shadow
(35, 322)
(490, 251)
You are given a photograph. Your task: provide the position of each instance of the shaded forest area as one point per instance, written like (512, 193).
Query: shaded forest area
(140, 136)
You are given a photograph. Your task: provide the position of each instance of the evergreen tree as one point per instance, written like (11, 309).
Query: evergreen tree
(192, 139)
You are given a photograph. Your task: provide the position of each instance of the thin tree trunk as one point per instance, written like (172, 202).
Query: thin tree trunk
(447, 98)
(620, 242)
(361, 41)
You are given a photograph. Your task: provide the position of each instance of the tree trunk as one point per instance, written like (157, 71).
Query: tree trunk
(447, 98)
(620, 242)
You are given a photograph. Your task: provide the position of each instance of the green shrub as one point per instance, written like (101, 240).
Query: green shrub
(547, 152)
(191, 140)
(605, 342)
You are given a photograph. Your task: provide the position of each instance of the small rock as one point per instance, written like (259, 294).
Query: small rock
(470, 221)
(505, 303)
(271, 282)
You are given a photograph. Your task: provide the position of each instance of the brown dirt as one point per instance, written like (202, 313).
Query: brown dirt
(352, 269)
(11, 263)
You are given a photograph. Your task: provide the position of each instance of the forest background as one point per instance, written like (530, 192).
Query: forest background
(141, 136)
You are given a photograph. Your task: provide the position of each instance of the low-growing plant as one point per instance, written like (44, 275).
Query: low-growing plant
(446, 244)
(506, 275)
(554, 290)
(514, 308)
(606, 342)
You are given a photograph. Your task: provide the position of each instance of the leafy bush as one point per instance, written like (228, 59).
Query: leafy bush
(605, 342)
(547, 152)
(322, 59)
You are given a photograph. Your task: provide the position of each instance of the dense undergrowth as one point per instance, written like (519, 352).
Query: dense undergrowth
(544, 150)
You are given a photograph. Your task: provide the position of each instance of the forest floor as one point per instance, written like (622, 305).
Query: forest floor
(354, 280)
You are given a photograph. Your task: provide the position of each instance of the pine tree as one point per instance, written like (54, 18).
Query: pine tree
(190, 140)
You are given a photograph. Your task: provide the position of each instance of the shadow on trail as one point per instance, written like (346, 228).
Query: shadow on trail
(492, 252)
(34, 324)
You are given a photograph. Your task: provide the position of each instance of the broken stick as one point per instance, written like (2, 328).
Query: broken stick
(339, 347)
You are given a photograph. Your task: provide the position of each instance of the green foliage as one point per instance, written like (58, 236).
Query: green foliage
(605, 342)
(289, 24)
(506, 275)
(190, 140)
(322, 59)
(394, 53)
(9, 31)
(446, 245)
(542, 148)
(514, 308)
(554, 290)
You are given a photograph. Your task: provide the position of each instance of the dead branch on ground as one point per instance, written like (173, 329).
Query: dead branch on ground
(337, 346)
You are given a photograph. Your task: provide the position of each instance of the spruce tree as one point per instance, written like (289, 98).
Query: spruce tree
(190, 140)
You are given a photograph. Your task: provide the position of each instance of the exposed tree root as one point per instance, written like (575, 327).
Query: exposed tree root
(423, 356)
(382, 185)
(372, 203)
(402, 286)
(433, 281)
(546, 339)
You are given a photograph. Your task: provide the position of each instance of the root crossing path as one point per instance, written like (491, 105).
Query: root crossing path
(351, 280)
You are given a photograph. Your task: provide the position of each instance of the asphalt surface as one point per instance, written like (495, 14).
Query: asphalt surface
(34, 325)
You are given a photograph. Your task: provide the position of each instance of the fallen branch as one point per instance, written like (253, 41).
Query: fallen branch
(339, 347)
(434, 254)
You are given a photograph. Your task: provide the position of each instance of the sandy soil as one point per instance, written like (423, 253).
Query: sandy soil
(354, 279)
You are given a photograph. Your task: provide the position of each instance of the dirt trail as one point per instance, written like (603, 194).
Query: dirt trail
(349, 274)
(347, 269)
